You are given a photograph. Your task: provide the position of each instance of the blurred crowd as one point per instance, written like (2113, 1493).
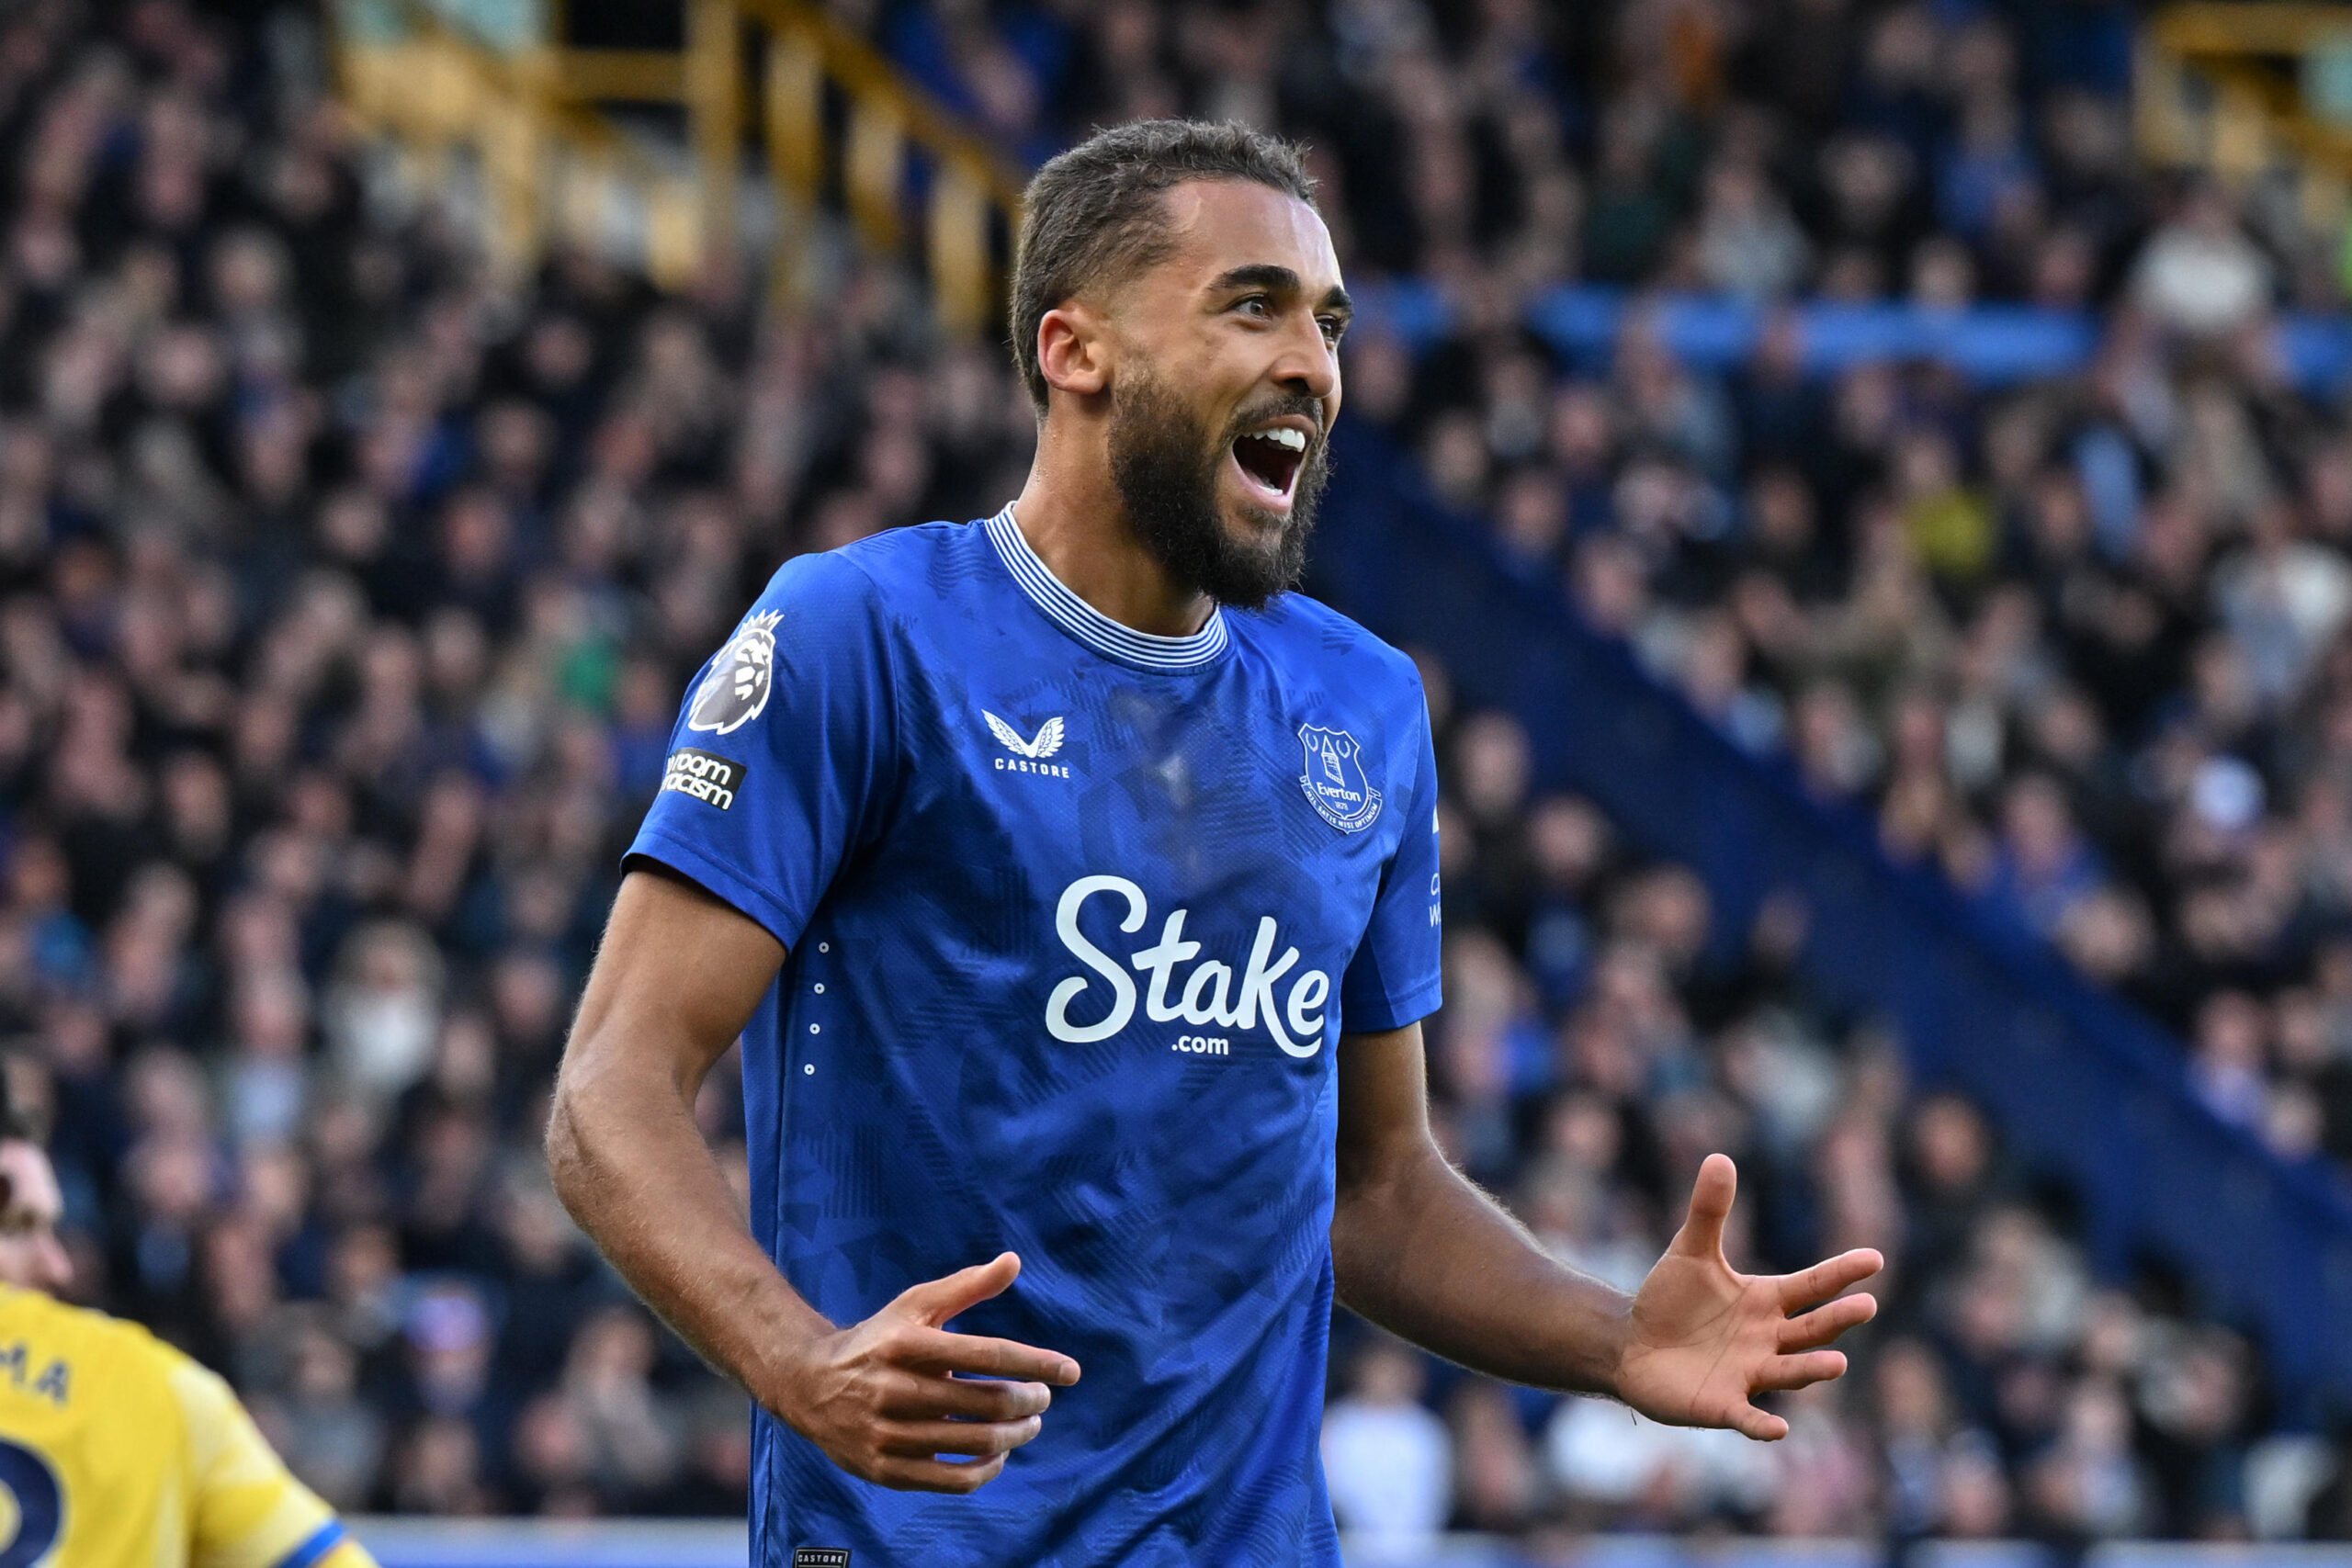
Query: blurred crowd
(2079, 643)
(347, 591)
(345, 604)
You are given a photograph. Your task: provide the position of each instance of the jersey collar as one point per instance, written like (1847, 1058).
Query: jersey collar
(1090, 625)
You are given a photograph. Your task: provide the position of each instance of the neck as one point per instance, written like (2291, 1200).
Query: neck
(1070, 513)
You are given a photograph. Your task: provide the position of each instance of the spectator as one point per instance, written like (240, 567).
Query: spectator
(335, 1440)
(2200, 273)
(1388, 1459)
(1748, 244)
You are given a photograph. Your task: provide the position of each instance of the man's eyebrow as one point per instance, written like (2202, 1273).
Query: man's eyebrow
(1280, 279)
(1260, 275)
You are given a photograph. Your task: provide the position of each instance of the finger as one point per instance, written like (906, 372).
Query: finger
(1781, 1373)
(937, 1475)
(934, 1302)
(920, 1397)
(919, 1439)
(1702, 1235)
(1760, 1425)
(939, 1351)
(1824, 1324)
(1829, 1277)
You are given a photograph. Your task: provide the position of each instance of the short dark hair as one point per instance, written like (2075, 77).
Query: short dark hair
(1094, 215)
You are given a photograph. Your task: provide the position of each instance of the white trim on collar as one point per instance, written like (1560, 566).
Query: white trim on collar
(1090, 625)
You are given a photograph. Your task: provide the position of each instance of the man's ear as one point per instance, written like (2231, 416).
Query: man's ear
(1072, 351)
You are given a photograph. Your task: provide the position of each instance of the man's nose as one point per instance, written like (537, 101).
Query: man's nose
(1309, 364)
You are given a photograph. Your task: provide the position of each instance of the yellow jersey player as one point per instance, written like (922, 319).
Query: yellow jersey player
(115, 1449)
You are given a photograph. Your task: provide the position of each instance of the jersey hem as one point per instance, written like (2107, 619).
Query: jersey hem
(665, 848)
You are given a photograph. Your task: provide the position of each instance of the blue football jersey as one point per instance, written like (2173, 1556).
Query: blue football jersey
(1075, 917)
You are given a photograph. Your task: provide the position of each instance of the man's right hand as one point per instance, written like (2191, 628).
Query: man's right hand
(884, 1397)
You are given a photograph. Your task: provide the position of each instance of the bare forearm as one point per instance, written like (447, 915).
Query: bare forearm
(630, 1165)
(677, 978)
(1429, 1256)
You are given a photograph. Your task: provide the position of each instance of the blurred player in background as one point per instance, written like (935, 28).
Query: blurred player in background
(1074, 887)
(115, 1449)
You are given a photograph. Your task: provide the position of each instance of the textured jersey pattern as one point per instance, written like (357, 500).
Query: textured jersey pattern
(1074, 921)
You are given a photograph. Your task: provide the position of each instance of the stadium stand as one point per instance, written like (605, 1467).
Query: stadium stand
(348, 588)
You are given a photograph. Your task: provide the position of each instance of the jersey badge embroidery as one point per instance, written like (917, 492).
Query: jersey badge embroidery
(1334, 780)
(737, 687)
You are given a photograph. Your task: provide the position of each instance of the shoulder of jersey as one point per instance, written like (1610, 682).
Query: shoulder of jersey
(896, 548)
(32, 1309)
(891, 564)
(1307, 625)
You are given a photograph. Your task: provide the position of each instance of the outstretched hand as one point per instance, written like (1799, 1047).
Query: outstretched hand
(1704, 1339)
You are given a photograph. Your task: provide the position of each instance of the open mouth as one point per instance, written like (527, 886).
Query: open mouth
(1270, 459)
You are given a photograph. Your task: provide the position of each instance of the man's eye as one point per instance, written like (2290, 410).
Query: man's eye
(1331, 326)
(1255, 305)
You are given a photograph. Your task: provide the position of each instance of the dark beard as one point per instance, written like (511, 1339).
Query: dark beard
(1165, 466)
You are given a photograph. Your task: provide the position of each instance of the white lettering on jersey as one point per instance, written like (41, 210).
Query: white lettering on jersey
(1207, 994)
(1122, 990)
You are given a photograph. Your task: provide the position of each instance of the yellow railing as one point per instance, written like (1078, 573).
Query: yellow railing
(2216, 86)
(553, 165)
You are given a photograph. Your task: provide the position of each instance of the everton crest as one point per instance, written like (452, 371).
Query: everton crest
(1334, 780)
(737, 687)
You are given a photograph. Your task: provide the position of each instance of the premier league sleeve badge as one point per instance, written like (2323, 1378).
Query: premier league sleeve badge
(737, 688)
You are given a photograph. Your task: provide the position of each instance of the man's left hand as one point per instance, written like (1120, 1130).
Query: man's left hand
(1703, 1339)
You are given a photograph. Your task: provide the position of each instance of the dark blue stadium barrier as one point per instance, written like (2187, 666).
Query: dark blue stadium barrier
(2078, 1084)
(1992, 345)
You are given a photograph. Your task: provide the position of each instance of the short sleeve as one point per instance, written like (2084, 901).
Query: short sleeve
(782, 751)
(246, 1510)
(1395, 976)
